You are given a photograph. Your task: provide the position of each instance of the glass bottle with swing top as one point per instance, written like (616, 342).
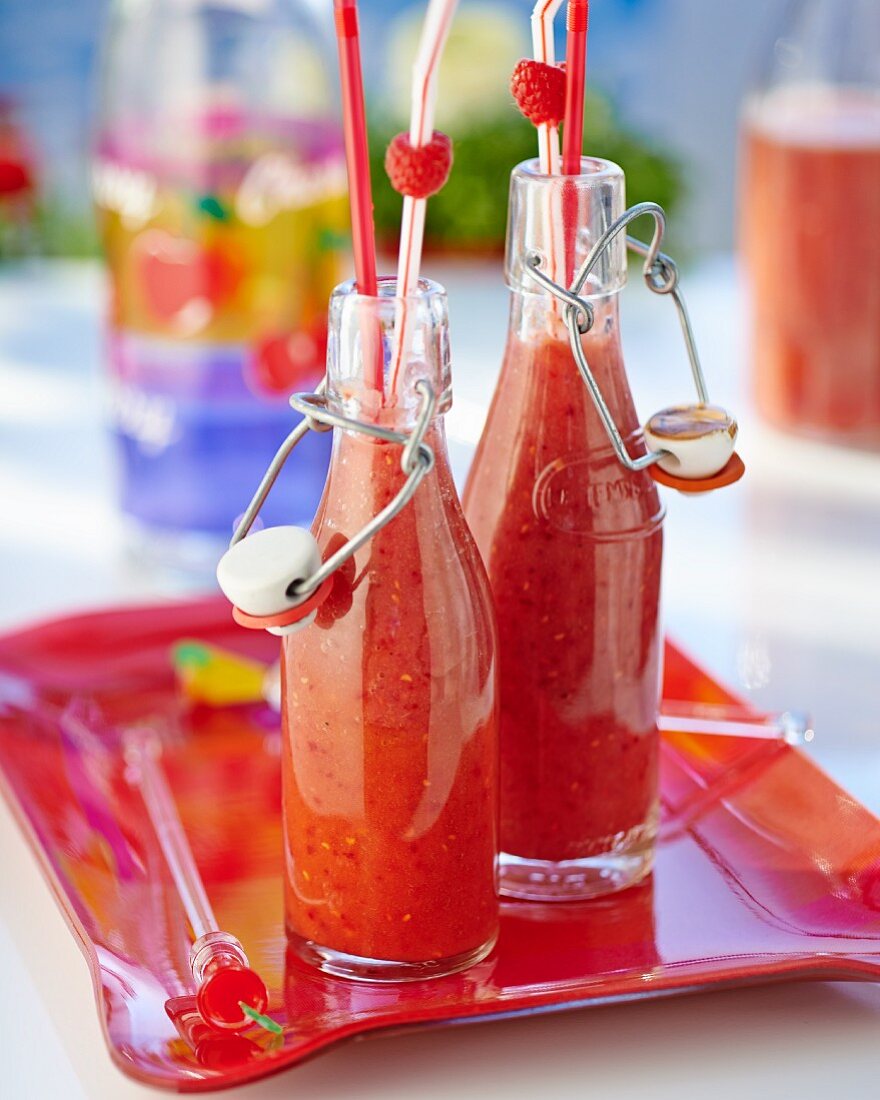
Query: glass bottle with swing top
(389, 696)
(566, 513)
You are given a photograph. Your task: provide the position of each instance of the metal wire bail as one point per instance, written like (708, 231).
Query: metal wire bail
(416, 460)
(661, 277)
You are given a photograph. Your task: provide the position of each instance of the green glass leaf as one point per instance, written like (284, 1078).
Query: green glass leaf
(265, 1022)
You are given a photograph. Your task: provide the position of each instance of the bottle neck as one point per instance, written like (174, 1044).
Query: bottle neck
(537, 317)
(366, 474)
(357, 447)
(381, 348)
(541, 368)
(824, 43)
(557, 223)
(560, 220)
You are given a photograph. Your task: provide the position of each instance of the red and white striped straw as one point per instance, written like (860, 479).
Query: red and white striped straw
(435, 31)
(543, 48)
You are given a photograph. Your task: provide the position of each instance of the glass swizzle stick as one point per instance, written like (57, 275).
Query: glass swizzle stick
(230, 995)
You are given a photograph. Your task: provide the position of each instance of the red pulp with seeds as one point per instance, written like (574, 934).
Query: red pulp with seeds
(389, 709)
(573, 545)
(572, 541)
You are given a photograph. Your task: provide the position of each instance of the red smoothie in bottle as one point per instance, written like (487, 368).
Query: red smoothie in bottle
(573, 543)
(389, 707)
(810, 210)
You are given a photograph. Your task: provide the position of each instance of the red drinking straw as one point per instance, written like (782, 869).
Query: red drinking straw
(354, 120)
(577, 20)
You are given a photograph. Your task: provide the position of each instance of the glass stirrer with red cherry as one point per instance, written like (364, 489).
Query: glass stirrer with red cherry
(230, 995)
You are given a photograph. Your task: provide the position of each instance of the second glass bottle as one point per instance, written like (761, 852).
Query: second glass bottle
(572, 542)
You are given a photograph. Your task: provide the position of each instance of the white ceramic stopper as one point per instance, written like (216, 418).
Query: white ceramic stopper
(256, 573)
(699, 439)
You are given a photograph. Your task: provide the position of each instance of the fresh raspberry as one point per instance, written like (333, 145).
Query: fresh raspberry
(418, 172)
(539, 91)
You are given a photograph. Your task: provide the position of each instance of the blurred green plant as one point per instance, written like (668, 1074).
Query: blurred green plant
(467, 217)
(50, 229)
(65, 232)
(469, 214)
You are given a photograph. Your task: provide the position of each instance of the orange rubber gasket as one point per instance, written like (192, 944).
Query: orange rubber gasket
(731, 473)
(287, 617)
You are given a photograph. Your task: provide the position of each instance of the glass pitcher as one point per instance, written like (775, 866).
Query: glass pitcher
(810, 221)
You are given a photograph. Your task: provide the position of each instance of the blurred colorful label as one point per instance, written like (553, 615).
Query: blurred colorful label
(221, 263)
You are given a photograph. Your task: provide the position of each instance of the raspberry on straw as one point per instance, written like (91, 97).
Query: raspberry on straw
(539, 91)
(418, 171)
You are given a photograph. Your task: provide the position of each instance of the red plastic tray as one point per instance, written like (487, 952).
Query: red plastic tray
(765, 870)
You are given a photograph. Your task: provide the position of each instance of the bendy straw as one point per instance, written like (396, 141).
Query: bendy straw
(418, 164)
(435, 31)
(543, 16)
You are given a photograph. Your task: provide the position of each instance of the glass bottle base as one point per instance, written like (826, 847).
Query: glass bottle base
(575, 879)
(359, 968)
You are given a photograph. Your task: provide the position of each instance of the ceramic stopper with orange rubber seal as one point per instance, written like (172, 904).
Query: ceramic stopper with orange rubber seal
(690, 447)
(275, 578)
(696, 447)
(259, 575)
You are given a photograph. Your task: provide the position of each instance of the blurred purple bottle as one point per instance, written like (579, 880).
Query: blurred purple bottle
(219, 181)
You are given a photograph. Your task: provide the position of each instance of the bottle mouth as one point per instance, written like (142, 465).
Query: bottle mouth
(595, 171)
(559, 218)
(425, 290)
(380, 345)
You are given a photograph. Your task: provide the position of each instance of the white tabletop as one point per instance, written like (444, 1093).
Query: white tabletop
(773, 584)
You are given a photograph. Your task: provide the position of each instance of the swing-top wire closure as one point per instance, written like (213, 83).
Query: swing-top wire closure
(416, 460)
(661, 277)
